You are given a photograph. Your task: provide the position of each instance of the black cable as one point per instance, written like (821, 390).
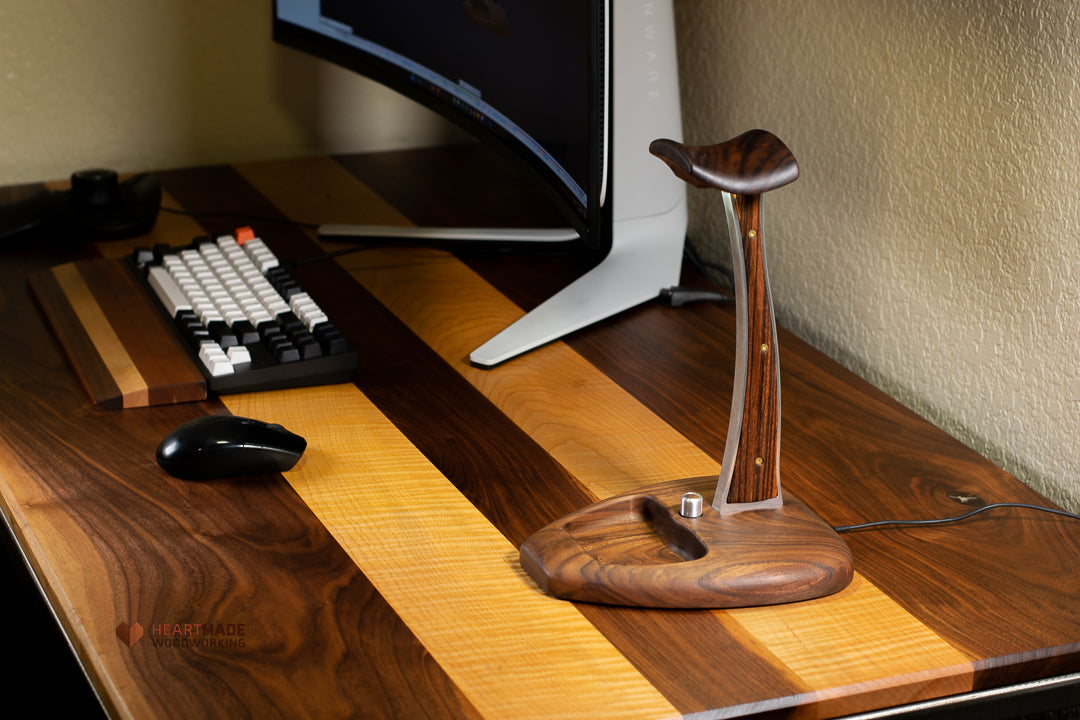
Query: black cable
(944, 521)
(327, 256)
(677, 296)
(242, 216)
(707, 268)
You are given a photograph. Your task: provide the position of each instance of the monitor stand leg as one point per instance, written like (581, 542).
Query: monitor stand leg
(448, 236)
(645, 258)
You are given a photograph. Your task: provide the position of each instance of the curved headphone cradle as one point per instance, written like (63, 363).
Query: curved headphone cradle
(755, 544)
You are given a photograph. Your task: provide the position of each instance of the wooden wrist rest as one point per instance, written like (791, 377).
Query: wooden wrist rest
(119, 343)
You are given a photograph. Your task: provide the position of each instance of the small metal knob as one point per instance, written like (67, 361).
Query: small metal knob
(691, 505)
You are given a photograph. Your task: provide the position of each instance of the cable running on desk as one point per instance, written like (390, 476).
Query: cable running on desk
(877, 524)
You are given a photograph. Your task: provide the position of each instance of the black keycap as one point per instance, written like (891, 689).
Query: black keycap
(287, 354)
(288, 321)
(332, 340)
(268, 329)
(197, 336)
(222, 333)
(245, 332)
(309, 348)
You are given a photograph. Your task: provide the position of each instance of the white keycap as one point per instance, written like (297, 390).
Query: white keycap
(171, 296)
(305, 308)
(261, 255)
(314, 319)
(238, 355)
(215, 359)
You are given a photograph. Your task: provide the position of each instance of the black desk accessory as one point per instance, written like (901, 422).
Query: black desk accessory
(224, 446)
(96, 207)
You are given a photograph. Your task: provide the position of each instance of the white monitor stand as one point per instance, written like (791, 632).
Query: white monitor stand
(649, 203)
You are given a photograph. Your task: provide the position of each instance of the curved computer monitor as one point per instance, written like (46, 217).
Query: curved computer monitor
(573, 91)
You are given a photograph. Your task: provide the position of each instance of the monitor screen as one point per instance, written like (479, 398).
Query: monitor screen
(572, 91)
(526, 75)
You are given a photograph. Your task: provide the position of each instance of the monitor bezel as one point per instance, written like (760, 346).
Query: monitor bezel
(593, 221)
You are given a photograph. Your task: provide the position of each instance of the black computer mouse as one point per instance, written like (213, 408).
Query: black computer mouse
(221, 446)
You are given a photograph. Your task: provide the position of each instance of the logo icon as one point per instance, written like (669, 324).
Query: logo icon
(129, 635)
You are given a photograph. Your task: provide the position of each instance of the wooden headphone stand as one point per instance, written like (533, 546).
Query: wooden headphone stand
(754, 545)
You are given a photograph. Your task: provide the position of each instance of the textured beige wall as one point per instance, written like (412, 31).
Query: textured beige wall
(931, 243)
(139, 84)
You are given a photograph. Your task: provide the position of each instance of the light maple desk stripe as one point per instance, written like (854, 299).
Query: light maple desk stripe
(115, 358)
(856, 646)
(612, 443)
(447, 572)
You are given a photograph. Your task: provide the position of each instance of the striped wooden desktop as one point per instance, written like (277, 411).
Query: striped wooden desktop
(380, 577)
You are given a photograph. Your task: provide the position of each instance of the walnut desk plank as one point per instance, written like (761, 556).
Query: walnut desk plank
(379, 578)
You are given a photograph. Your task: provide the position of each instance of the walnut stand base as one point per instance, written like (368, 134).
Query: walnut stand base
(636, 549)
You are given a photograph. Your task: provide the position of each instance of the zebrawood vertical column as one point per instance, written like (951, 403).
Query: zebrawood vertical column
(751, 474)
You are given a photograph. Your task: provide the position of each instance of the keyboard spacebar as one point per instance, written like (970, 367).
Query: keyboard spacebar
(170, 294)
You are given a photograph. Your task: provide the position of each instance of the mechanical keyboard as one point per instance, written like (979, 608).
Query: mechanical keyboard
(245, 321)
